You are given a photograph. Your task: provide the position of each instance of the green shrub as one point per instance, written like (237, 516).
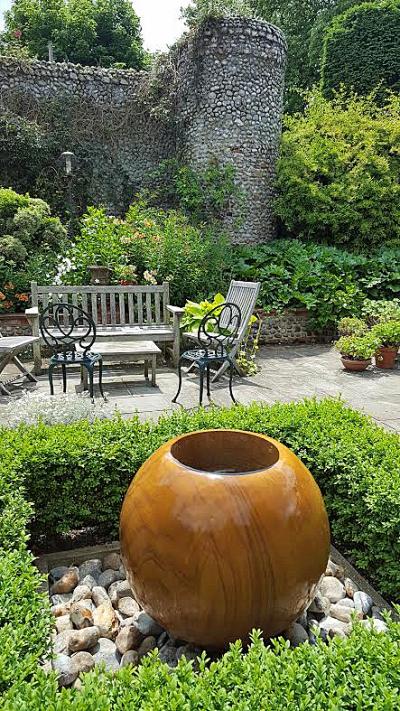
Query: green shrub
(331, 283)
(388, 333)
(351, 326)
(359, 673)
(160, 245)
(381, 310)
(76, 475)
(339, 172)
(358, 347)
(361, 49)
(29, 242)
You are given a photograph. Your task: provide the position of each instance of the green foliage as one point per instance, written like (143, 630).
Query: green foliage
(359, 673)
(195, 312)
(88, 32)
(160, 246)
(339, 172)
(29, 241)
(77, 475)
(200, 10)
(352, 326)
(22, 150)
(331, 283)
(204, 196)
(359, 347)
(380, 310)
(388, 333)
(361, 49)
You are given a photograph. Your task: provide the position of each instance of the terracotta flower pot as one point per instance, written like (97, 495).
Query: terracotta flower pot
(355, 365)
(386, 357)
(223, 531)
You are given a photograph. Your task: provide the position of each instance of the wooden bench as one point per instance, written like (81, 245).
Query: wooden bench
(121, 313)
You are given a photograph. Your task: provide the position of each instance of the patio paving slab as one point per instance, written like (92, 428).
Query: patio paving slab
(287, 373)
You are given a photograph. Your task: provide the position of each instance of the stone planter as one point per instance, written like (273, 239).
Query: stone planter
(99, 274)
(14, 325)
(230, 525)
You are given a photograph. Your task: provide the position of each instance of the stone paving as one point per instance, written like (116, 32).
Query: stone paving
(287, 373)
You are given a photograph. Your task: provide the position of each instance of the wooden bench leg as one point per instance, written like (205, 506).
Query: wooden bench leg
(146, 369)
(23, 370)
(153, 370)
(37, 358)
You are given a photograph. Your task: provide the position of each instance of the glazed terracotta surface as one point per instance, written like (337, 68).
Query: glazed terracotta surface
(224, 531)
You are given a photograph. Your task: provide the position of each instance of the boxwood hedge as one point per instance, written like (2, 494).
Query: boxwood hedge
(76, 475)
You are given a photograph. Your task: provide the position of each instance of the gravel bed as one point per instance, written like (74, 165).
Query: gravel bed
(99, 621)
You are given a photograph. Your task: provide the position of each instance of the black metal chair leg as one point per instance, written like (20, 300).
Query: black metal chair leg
(64, 377)
(208, 382)
(101, 378)
(231, 369)
(51, 368)
(180, 380)
(201, 384)
(89, 369)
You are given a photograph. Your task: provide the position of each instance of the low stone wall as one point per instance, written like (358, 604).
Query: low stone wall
(14, 325)
(291, 326)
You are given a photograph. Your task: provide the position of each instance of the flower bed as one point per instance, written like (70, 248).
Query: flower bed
(77, 474)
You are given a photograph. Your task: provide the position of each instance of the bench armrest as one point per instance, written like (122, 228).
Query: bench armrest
(33, 311)
(176, 310)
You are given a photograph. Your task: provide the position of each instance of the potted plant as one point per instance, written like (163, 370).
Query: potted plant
(351, 326)
(357, 351)
(388, 334)
(127, 275)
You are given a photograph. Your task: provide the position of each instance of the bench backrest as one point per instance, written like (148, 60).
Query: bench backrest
(109, 305)
(244, 294)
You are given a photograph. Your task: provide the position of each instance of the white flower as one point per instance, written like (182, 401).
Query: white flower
(65, 408)
(149, 277)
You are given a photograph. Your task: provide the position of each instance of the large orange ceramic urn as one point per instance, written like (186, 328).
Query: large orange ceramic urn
(223, 531)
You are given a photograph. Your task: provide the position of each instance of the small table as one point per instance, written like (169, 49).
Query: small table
(130, 352)
(10, 346)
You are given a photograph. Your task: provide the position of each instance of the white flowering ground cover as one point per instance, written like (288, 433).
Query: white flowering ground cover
(60, 409)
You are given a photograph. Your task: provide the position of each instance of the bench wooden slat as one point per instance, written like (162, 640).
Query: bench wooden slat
(121, 304)
(149, 318)
(103, 310)
(112, 310)
(131, 309)
(158, 307)
(140, 308)
(94, 308)
(98, 289)
(85, 301)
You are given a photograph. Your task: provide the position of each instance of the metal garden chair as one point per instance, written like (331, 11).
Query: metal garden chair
(65, 328)
(216, 338)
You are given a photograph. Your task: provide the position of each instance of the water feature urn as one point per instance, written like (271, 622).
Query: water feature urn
(223, 531)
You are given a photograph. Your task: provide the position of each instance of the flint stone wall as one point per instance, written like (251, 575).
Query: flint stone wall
(226, 104)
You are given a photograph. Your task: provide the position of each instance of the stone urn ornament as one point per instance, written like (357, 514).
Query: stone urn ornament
(223, 531)
(99, 274)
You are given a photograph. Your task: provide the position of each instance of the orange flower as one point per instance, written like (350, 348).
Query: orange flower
(9, 286)
(7, 304)
(2, 296)
(22, 297)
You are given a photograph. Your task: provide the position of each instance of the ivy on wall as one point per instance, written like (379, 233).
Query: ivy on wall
(361, 49)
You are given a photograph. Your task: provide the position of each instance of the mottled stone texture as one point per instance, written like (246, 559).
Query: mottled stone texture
(291, 326)
(230, 88)
(226, 105)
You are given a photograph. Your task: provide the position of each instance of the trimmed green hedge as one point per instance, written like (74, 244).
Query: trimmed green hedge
(361, 48)
(77, 475)
(356, 463)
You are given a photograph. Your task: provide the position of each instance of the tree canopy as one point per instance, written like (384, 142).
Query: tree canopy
(89, 32)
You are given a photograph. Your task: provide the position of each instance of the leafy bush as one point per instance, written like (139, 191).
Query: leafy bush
(77, 475)
(339, 172)
(159, 245)
(203, 196)
(195, 312)
(380, 310)
(29, 241)
(351, 326)
(331, 283)
(361, 672)
(361, 49)
(358, 347)
(388, 333)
